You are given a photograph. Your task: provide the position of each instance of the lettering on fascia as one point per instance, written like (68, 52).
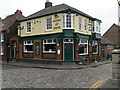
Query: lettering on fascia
(56, 22)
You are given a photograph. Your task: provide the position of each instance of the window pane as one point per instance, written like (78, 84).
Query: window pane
(49, 47)
(28, 47)
(83, 49)
(49, 23)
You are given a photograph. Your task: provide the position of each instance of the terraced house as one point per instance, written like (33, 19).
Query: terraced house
(60, 33)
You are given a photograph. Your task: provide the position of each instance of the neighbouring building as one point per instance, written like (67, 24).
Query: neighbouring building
(113, 34)
(8, 31)
(60, 33)
(106, 47)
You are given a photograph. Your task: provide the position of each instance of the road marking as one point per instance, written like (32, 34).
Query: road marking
(97, 84)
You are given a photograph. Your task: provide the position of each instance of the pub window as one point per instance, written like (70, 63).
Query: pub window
(95, 47)
(80, 23)
(49, 46)
(28, 46)
(68, 21)
(28, 29)
(48, 24)
(83, 47)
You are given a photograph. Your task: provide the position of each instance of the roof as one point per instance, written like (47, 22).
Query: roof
(114, 25)
(9, 20)
(56, 9)
(105, 41)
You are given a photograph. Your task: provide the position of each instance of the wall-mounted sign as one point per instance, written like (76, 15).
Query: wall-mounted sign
(56, 22)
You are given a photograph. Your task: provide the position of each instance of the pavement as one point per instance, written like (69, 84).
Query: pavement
(65, 66)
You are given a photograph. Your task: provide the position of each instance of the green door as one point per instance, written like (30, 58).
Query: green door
(68, 50)
(102, 50)
(37, 48)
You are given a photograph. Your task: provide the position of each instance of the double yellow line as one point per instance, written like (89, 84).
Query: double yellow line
(97, 84)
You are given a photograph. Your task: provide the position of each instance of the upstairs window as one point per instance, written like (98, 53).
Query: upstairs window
(49, 46)
(28, 29)
(80, 23)
(28, 46)
(2, 37)
(49, 24)
(85, 25)
(68, 21)
(95, 47)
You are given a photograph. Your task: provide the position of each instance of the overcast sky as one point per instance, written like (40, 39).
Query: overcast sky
(105, 10)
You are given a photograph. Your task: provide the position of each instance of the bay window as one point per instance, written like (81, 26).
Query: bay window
(28, 46)
(68, 21)
(83, 47)
(95, 47)
(49, 46)
(48, 24)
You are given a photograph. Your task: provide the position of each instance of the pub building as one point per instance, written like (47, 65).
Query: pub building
(58, 33)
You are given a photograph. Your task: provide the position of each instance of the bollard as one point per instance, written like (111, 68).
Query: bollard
(116, 68)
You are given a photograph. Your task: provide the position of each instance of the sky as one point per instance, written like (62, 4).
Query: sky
(105, 10)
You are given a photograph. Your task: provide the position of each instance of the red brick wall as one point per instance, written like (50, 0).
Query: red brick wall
(77, 49)
(59, 57)
(38, 56)
(99, 50)
(107, 51)
(49, 55)
(28, 55)
(20, 51)
(90, 50)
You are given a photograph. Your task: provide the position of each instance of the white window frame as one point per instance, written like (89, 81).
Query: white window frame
(85, 44)
(48, 43)
(28, 27)
(80, 21)
(95, 42)
(2, 37)
(26, 43)
(1, 50)
(85, 25)
(48, 23)
(97, 27)
(65, 21)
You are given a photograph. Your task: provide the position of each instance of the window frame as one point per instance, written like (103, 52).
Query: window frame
(84, 44)
(93, 43)
(81, 23)
(85, 25)
(49, 24)
(26, 44)
(28, 31)
(65, 21)
(44, 43)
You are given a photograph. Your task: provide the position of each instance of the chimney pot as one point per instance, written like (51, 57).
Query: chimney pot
(48, 4)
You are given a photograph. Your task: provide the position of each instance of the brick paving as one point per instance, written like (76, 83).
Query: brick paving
(24, 77)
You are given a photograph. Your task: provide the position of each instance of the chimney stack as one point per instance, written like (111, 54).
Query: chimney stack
(48, 4)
